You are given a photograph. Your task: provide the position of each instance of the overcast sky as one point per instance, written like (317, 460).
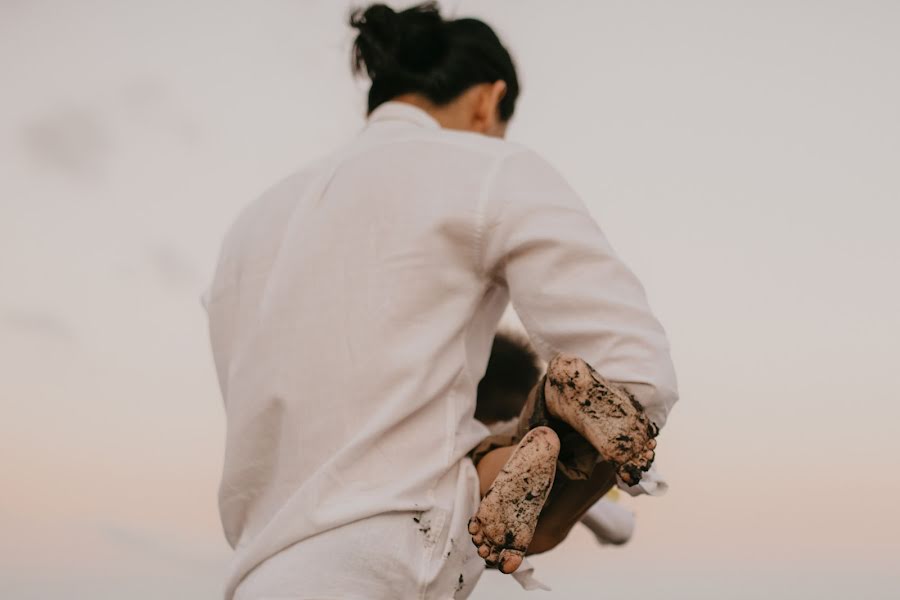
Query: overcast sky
(742, 157)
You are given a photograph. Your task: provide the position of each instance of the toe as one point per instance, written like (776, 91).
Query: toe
(646, 460)
(478, 538)
(630, 473)
(510, 560)
(651, 444)
(492, 558)
(484, 551)
(474, 525)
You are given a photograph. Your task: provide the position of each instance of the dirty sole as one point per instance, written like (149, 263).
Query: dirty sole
(605, 414)
(505, 522)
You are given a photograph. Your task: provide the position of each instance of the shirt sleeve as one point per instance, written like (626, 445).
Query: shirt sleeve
(571, 291)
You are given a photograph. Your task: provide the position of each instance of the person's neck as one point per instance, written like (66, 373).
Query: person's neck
(450, 116)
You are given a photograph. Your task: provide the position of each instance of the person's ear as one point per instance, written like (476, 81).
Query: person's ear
(496, 93)
(498, 126)
(486, 118)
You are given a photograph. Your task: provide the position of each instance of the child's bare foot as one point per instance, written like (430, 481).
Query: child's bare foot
(504, 524)
(605, 414)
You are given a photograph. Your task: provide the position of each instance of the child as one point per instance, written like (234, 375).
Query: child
(571, 419)
(511, 373)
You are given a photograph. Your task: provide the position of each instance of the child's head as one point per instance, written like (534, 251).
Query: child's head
(511, 372)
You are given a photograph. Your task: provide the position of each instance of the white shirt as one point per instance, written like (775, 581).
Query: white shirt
(351, 317)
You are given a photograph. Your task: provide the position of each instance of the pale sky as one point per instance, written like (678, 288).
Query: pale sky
(742, 157)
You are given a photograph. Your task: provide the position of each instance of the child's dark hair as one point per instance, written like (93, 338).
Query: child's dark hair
(512, 371)
(417, 50)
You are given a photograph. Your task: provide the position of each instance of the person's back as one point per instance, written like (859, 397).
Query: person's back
(352, 314)
(343, 316)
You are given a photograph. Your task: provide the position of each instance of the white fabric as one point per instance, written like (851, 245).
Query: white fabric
(351, 317)
(610, 523)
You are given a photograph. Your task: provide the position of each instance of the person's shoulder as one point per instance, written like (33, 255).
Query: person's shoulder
(506, 164)
(277, 198)
(477, 143)
(512, 157)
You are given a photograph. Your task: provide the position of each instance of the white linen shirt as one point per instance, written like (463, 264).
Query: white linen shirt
(351, 317)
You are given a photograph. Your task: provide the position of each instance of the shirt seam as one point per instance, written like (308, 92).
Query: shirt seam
(482, 216)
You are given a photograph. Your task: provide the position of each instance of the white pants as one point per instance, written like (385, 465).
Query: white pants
(401, 555)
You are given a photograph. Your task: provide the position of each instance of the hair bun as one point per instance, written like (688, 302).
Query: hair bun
(411, 41)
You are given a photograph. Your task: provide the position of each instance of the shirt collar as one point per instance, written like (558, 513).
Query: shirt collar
(393, 110)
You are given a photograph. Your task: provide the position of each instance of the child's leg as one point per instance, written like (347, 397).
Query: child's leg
(506, 483)
(574, 399)
(570, 500)
(490, 466)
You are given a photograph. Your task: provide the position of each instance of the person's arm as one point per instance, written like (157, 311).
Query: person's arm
(571, 291)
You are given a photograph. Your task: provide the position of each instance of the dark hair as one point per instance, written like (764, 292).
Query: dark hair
(511, 372)
(417, 50)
